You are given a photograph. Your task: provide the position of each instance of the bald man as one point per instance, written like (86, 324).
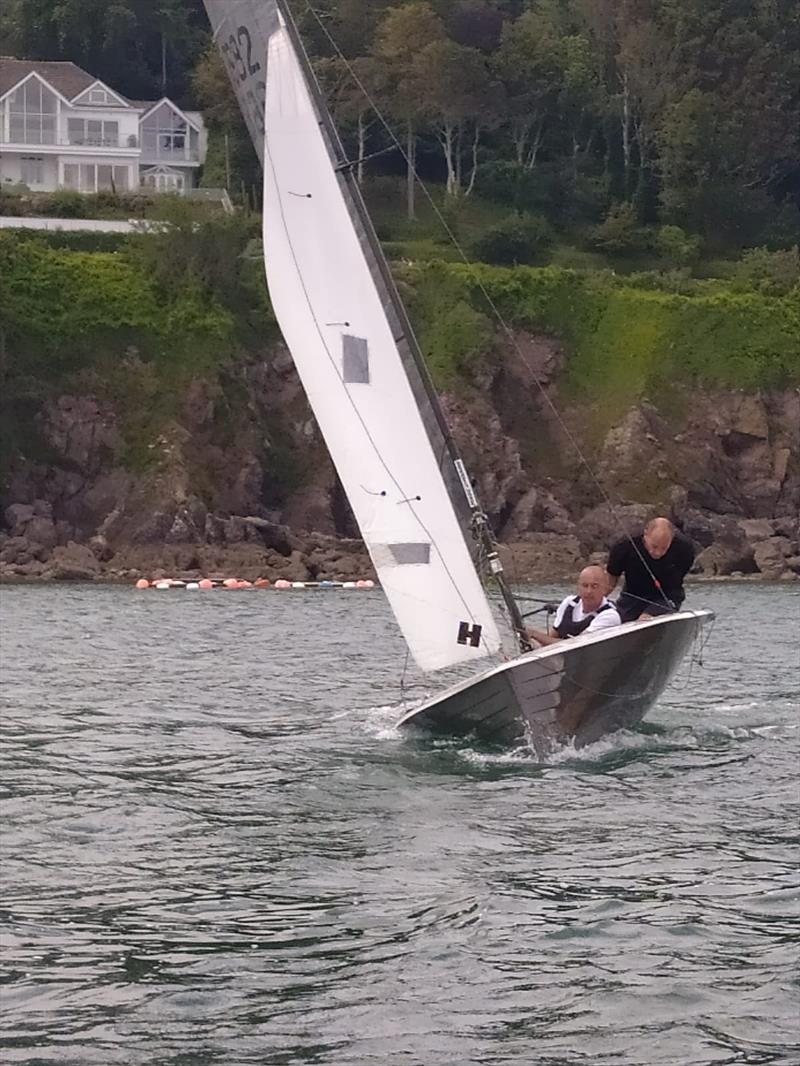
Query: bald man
(654, 565)
(590, 610)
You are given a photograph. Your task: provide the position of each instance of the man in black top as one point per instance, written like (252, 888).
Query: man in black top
(654, 565)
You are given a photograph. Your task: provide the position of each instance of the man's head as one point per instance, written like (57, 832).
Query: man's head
(592, 586)
(658, 535)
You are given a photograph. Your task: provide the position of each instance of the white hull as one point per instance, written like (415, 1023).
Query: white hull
(577, 690)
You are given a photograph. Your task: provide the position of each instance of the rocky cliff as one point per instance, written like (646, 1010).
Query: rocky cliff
(237, 480)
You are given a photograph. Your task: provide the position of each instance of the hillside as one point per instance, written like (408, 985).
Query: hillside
(151, 412)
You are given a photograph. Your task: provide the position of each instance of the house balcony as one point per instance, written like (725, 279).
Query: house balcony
(125, 146)
(186, 156)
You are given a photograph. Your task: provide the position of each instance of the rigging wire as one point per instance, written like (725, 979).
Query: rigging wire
(333, 138)
(484, 291)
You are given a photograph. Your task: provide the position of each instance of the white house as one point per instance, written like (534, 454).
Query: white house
(61, 128)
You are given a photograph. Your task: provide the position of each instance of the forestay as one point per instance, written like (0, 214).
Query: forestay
(335, 324)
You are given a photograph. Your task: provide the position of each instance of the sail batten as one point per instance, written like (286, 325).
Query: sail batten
(341, 325)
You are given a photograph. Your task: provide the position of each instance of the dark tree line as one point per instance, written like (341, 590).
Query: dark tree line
(142, 48)
(662, 111)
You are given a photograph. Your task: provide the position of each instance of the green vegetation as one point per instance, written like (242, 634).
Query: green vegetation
(138, 325)
(624, 341)
(17, 201)
(134, 326)
(610, 120)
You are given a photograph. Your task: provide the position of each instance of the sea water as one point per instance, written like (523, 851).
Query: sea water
(217, 848)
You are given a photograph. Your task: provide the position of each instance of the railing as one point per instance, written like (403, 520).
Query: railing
(166, 155)
(71, 142)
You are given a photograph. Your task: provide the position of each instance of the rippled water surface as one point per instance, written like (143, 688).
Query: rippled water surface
(217, 849)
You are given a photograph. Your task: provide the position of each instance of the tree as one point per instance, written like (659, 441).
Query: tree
(231, 161)
(348, 86)
(644, 66)
(475, 24)
(403, 33)
(142, 51)
(581, 97)
(528, 68)
(9, 29)
(455, 85)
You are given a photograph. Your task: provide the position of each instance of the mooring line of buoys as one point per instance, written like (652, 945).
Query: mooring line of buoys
(235, 583)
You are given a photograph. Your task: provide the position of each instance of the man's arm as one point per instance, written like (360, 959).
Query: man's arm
(543, 638)
(615, 566)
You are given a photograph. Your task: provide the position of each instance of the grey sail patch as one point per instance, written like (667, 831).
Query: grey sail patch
(355, 360)
(411, 554)
(403, 554)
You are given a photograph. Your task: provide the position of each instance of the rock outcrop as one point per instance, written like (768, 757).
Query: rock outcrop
(248, 488)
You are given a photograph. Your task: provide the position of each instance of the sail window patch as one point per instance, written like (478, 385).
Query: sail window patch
(410, 554)
(355, 360)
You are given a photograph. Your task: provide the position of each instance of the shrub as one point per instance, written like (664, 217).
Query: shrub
(587, 199)
(678, 281)
(620, 232)
(74, 241)
(520, 239)
(677, 246)
(775, 273)
(65, 204)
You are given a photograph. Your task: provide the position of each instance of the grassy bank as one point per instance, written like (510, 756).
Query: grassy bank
(137, 325)
(623, 338)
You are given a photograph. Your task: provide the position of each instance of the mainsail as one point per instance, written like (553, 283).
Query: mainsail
(352, 348)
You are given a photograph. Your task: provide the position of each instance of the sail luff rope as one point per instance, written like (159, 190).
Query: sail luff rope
(485, 293)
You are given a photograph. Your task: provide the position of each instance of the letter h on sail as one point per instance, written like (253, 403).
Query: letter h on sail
(471, 635)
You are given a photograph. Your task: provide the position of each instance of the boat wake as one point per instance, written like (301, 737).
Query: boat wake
(650, 741)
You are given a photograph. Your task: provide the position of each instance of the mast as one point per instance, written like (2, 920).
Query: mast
(478, 521)
(242, 30)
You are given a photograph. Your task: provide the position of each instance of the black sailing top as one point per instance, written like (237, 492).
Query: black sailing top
(629, 556)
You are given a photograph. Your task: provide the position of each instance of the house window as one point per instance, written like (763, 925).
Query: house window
(32, 169)
(164, 181)
(93, 131)
(165, 134)
(99, 96)
(88, 177)
(33, 114)
(95, 177)
(112, 179)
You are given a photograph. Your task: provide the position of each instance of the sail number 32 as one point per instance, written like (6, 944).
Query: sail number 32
(243, 68)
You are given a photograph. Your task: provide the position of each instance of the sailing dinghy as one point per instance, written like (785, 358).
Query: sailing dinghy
(367, 384)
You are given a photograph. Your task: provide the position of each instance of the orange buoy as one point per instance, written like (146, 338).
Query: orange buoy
(143, 583)
(262, 583)
(244, 584)
(281, 584)
(206, 584)
(231, 583)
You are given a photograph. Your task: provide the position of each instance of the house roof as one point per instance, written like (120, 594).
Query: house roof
(66, 78)
(194, 118)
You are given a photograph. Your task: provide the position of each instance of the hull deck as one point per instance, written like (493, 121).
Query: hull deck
(577, 690)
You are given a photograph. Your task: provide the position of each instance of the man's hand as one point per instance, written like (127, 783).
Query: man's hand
(543, 638)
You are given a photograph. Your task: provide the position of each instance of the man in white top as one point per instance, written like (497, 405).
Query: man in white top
(587, 612)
